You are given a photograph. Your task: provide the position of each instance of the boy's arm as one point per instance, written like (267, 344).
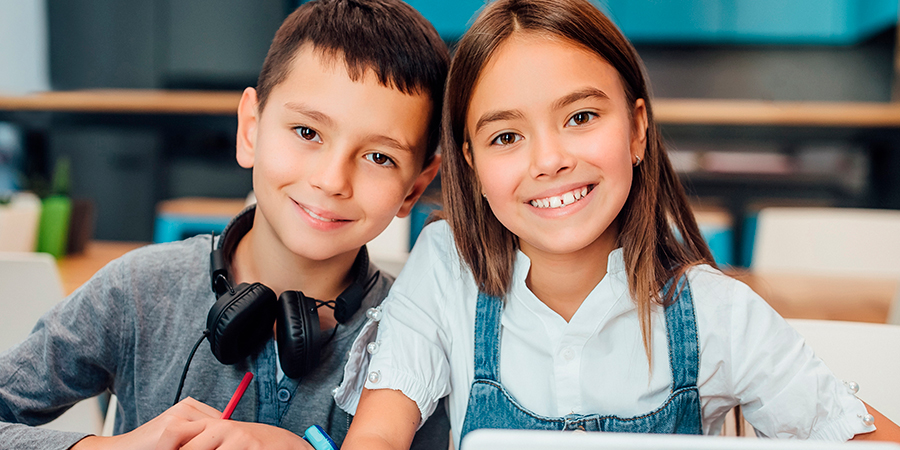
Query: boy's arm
(192, 425)
(385, 420)
(886, 431)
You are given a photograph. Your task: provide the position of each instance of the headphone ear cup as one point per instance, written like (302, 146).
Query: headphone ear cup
(241, 322)
(297, 333)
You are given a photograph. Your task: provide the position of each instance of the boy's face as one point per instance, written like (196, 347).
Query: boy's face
(334, 160)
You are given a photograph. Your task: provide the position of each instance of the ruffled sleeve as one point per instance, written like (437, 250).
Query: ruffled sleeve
(785, 389)
(404, 346)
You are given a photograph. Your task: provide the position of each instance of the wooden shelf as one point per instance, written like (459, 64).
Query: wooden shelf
(127, 101)
(764, 113)
(668, 111)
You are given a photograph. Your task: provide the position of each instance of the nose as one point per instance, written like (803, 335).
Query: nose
(549, 156)
(331, 173)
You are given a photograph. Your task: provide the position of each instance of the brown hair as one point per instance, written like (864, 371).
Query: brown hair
(387, 36)
(658, 232)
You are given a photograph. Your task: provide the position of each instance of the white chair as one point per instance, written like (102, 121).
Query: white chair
(30, 286)
(390, 249)
(828, 241)
(867, 353)
(894, 312)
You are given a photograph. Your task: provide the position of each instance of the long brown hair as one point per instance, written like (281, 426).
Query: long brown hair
(658, 232)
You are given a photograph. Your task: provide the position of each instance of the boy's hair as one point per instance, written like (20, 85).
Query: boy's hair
(656, 206)
(389, 37)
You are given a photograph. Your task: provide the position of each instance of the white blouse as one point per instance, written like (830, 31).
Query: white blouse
(595, 363)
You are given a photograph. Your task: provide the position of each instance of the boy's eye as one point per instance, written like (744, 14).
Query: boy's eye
(506, 139)
(308, 133)
(380, 158)
(580, 118)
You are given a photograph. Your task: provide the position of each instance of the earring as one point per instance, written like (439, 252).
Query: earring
(637, 160)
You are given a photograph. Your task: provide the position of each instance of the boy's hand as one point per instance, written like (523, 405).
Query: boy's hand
(215, 433)
(147, 435)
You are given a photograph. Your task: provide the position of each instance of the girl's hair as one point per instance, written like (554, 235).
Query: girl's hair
(658, 231)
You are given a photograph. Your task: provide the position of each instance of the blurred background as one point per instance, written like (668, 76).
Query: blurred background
(834, 53)
(117, 128)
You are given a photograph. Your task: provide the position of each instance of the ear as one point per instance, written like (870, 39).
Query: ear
(467, 153)
(419, 186)
(248, 124)
(639, 138)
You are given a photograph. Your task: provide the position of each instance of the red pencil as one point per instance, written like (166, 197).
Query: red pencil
(237, 396)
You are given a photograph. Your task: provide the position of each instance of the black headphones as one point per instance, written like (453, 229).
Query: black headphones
(241, 320)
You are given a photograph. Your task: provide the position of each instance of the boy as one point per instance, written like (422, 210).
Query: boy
(341, 133)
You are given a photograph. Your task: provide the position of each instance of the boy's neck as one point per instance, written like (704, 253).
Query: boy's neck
(260, 257)
(562, 282)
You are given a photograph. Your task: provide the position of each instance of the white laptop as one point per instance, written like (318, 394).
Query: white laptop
(547, 440)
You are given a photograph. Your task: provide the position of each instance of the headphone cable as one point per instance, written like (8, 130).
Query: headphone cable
(188, 364)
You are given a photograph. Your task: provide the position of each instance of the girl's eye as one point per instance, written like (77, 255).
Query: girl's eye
(380, 158)
(506, 139)
(308, 133)
(580, 118)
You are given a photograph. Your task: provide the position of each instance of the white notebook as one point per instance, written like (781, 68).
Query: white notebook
(547, 440)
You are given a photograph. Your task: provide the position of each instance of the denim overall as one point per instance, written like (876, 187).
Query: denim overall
(491, 406)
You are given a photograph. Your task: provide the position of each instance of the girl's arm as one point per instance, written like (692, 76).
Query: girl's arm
(385, 420)
(887, 430)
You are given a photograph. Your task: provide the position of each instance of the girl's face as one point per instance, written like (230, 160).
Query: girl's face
(553, 141)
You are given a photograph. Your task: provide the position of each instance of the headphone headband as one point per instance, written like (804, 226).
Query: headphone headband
(346, 304)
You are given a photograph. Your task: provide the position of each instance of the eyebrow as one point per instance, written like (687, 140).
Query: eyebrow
(494, 116)
(390, 142)
(580, 94)
(318, 116)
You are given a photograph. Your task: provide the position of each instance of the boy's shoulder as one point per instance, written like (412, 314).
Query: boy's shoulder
(175, 257)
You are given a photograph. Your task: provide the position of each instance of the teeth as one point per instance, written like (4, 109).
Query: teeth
(561, 200)
(316, 216)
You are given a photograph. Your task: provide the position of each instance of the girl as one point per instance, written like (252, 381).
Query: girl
(569, 287)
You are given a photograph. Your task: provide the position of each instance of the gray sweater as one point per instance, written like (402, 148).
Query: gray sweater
(130, 329)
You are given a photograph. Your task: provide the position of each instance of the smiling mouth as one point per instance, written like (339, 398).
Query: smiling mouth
(318, 217)
(566, 199)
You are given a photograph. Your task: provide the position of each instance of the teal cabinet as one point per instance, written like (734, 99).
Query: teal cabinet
(819, 22)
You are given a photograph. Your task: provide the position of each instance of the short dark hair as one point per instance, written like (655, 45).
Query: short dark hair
(387, 36)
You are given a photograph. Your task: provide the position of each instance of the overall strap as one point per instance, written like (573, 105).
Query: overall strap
(487, 337)
(681, 328)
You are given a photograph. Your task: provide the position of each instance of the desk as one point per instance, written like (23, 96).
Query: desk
(798, 296)
(793, 296)
(75, 270)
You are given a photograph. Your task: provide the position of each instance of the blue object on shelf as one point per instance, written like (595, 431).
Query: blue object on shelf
(720, 240)
(175, 227)
(418, 218)
(749, 238)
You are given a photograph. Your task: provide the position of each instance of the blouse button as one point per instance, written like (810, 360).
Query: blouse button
(375, 376)
(869, 420)
(374, 314)
(372, 348)
(568, 354)
(284, 395)
(335, 391)
(853, 387)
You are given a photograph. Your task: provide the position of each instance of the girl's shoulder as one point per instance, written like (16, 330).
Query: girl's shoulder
(719, 295)
(435, 249)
